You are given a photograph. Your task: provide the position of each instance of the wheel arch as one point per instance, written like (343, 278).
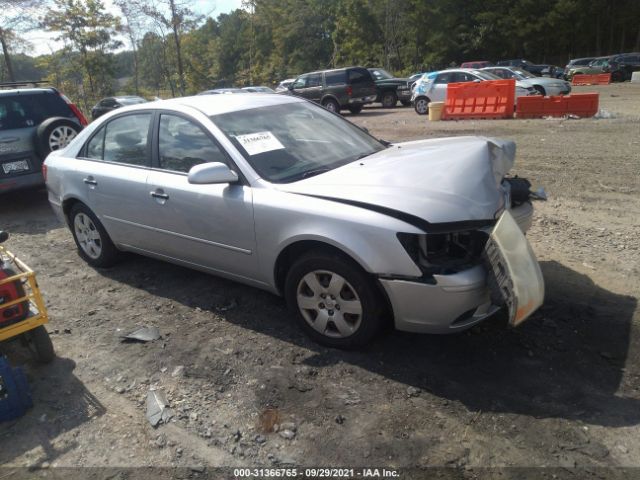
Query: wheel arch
(329, 96)
(294, 250)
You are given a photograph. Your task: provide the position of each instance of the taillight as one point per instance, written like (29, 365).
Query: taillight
(76, 111)
(44, 170)
(349, 90)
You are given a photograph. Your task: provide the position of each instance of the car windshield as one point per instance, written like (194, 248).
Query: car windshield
(292, 141)
(523, 73)
(380, 74)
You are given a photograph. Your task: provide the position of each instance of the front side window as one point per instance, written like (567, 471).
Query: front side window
(125, 140)
(301, 82)
(183, 144)
(358, 76)
(289, 142)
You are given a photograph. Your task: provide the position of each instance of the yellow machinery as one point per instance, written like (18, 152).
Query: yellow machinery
(22, 310)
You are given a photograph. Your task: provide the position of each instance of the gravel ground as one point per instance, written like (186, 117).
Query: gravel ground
(247, 388)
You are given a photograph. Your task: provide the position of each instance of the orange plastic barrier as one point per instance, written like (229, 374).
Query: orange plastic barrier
(599, 79)
(469, 100)
(581, 104)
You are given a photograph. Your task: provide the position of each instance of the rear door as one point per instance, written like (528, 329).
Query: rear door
(362, 82)
(209, 226)
(112, 169)
(438, 91)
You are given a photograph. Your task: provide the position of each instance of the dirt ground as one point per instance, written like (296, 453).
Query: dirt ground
(562, 390)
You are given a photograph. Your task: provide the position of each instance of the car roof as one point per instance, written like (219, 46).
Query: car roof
(19, 91)
(218, 104)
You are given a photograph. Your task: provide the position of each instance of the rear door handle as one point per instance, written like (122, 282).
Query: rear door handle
(159, 194)
(90, 181)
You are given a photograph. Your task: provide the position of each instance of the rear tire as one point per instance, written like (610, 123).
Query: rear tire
(331, 105)
(389, 99)
(93, 242)
(55, 134)
(40, 344)
(421, 105)
(335, 302)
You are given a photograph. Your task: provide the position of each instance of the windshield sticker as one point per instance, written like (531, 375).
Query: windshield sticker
(261, 142)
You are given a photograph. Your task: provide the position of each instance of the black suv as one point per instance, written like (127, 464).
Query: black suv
(33, 123)
(391, 89)
(344, 88)
(622, 66)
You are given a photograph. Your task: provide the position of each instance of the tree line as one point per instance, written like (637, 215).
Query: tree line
(165, 48)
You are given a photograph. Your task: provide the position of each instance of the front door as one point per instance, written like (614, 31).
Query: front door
(309, 86)
(209, 226)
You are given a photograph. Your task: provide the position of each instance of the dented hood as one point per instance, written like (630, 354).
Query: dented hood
(439, 181)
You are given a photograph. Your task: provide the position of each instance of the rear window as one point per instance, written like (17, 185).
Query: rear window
(336, 78)
(359, 76)
(30, 110)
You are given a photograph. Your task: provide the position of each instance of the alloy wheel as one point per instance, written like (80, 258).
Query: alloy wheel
(88, 235)
(60, 137)
(329, 304)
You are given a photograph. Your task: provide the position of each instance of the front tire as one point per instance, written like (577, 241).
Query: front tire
(355, 109)
(406, 103)
(421, 105)
(540, 89)
(335, 302)
(93, 242)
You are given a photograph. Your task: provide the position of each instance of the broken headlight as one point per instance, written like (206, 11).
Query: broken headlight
(445, 253)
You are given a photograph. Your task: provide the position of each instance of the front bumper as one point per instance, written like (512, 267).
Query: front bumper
(453, 303)
(404, 94)
(18, 182)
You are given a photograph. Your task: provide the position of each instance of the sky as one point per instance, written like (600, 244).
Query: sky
(43, 42)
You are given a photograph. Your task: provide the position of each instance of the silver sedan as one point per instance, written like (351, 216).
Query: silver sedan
(544, 85)
(280, 194)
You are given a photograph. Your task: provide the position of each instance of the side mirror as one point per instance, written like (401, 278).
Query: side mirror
(477, 80)
(210, 173)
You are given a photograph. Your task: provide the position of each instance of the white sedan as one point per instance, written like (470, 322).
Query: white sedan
(543, 85)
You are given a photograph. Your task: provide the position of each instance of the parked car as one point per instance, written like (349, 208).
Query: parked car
(544, 85)
(222, 91)
(348, 88)
(595, 66)
(111, 103)
(432, 87)
(283, 86)
(576, 63)
(476, 64)
(622, 66)
(278, 193)
(542, 70)
(33, 122)
(390, 89)
(259, 89)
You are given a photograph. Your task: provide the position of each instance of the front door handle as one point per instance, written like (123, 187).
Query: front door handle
(159, 194)
(90, 181)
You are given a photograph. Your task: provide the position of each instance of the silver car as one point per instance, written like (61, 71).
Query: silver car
(432, 87)
(543, 85)
(278, 193)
